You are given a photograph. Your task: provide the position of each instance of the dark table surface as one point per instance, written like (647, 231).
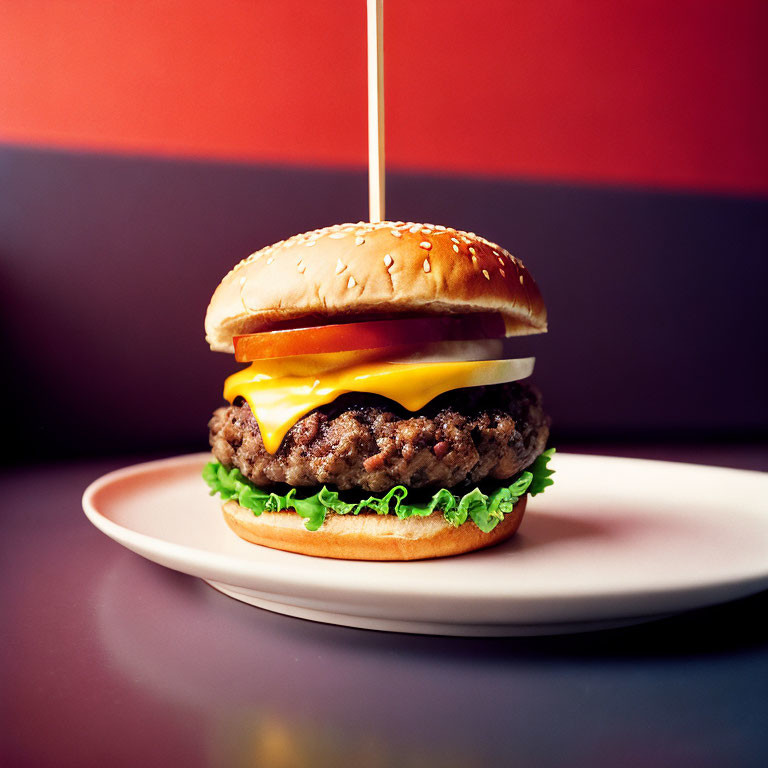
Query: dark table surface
(108, 659)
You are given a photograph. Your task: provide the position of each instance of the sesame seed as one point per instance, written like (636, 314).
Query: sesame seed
(395, 233)
(351, 282)
(270, 259)
(388, 260)
(426, 245)
(474, 260)
(361, 231)
(495, 253)
(439, 227)
(414, 229)
(427, 267)
(426, 231)
(521, 279)
(301, 266)
(455, 239)
(502, 272)
(337, 235)
(500, 260)
(486, 275)
(455, 247)
(242, 281)
(310, 243)
(339, 267)
(359, 240)
(472, 250)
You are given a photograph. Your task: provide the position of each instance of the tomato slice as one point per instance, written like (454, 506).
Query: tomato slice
(373, 334)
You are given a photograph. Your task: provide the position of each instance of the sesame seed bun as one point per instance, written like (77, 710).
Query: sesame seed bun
(368, 536)
(369, 269)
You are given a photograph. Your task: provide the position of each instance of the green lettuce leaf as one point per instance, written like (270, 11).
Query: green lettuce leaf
(542, 475)
(486, 510)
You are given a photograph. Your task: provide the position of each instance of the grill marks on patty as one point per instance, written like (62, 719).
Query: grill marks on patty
(368, 442)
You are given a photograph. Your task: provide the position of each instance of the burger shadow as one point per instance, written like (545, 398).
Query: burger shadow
(547, 530)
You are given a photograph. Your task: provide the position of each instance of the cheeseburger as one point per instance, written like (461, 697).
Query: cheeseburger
(378, 417)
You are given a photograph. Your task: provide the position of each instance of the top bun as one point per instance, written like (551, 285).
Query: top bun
(373, 269)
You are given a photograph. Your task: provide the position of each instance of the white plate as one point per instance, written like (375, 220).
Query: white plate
(615, 541)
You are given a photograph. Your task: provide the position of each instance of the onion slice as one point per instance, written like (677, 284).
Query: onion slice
(452, 351)
(489, 372)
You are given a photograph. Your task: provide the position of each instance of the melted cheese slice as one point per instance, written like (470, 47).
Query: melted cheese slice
(282, 391)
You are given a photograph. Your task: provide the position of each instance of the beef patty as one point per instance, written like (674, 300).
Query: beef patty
(368, 442)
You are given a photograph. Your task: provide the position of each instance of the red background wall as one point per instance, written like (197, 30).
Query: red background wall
(618, 148)
(642, 92)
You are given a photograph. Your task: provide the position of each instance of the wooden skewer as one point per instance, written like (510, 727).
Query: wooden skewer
(375, 110)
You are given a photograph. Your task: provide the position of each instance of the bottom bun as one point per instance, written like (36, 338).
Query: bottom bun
(368, 536)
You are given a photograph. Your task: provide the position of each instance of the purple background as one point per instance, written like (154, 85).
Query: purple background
(657, 300)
